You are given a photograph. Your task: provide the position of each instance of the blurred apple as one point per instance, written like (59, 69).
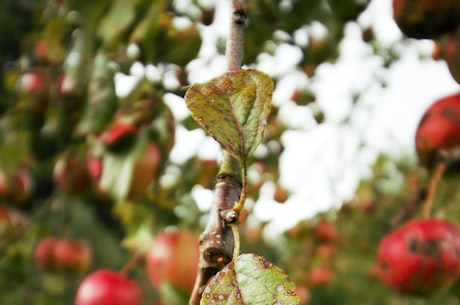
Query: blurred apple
(326, 231)
(71, 174)
(54, 254)
(319, 276)
(72, 255)
(426, 18)
(33, 82)
(106, 287)
(173, 259)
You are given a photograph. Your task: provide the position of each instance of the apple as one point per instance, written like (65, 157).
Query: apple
(173, 258)
(71, 174)
(33, 82)
(426, 19)
(326, 231)
(438, 129)
(55, 254)
(106, 287)
(72, 255)
(420, 257)
(44, 254)
(119, 135)
(145, 171)
(451, 53)
(319, 276)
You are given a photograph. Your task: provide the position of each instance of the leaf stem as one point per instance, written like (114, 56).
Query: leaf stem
(236, 237)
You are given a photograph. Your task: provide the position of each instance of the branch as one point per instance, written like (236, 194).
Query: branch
(235, 44)
(217, 241)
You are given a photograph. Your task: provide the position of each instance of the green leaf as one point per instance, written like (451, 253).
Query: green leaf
(118, 19)
(233, 109)
(250, 280)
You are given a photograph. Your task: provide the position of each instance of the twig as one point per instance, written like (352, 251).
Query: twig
(217, 242)
(432, 187)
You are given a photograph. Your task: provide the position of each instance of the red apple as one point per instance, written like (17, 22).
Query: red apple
(326, 231)
(320, 276)
(62, 255)
(145, 171)
(173, 258)
(451, 53)
(71, 174)
(33, 82)
(119, 135)
(420, 257)
(72, 255)
(44, 254)
(426, 18)
(438, 129)
(106, 287)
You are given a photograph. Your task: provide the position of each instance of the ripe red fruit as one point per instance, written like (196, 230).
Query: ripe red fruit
(119, 135)
(438, 129)
(33, 82)
(145, 171)
(71, 174)
(173, 258)
(327, 232)
(426, 18)
(320, 276)
(62, 255)
(451, 53)
(106, 287)
(421, 257)
(72, 256)
(44, 254)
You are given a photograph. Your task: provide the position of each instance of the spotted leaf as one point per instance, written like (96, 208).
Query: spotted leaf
(251, 279)
(233, 109)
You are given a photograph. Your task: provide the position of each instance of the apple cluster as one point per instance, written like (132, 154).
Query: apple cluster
(422, 256)
(62, 254)
(171, 263)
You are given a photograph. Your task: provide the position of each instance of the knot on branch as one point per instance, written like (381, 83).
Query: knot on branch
(239, 17)
(229, 216)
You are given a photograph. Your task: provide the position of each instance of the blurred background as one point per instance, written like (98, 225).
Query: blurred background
(98, 149)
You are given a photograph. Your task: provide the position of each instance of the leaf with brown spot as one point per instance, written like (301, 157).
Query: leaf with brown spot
(233, 109)
(251, 279)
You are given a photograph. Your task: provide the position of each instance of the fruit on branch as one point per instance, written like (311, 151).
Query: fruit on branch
(144, 168)
(119, 135)
(326, 231)
(33, 82)
(438, 131)
(451, 54)
(70, 173)
(426, 18)
(106, 287)
(319, 276)
(62, 255)
(173, 259)
(421, 257)
(10, 218)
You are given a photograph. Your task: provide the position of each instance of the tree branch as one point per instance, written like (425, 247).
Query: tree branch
(217, 240)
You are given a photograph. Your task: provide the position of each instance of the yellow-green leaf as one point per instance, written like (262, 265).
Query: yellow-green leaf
(233, 109)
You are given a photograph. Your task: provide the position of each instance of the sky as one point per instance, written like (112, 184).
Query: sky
(321, 165)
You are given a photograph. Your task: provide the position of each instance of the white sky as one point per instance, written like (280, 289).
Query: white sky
(321, 164)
